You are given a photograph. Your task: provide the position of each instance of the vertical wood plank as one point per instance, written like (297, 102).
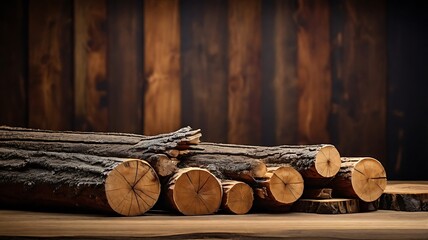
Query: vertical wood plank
(161, 66)
(90, 65)
(125, 66)
(204, 67)
(407, 111)
(244, 72)
(314, 76)
(359, 75)
(279, 68)
(13, 51)
(50, 65)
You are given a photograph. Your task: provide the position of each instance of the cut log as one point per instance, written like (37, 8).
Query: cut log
(279, 189)
(326, 206)
(227, 167)
(317, 193)
(163, 165)
(194, 191)
(405, 196)
(311, 161)
(71, 180)
(120, 145)
(363, 178)
(237, 197)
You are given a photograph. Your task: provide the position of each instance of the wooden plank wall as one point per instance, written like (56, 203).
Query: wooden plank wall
(245, 71)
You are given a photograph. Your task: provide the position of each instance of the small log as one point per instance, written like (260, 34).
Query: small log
(194, 191)
(71, 180)
(121, 145)
(237, 197)
(311, 161)
(363, 178)
(226, 167)
(317, 193)
(326, 206)
(405, 196)
(278, 189)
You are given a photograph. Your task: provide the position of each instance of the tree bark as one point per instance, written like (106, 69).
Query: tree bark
(73, 180)
(407, 196)
(280, 187)
(237, 197)
(317, 193)
(313, 162)
(363, 178)
(226, 167)
(194, 191)
(120, 145)
(326, 206)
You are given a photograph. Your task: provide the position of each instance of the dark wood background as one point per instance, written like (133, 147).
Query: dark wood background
(353, 73)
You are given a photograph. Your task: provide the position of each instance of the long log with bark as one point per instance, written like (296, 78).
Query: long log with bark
(121, 145)
(194, 191)
(313, 162)
(73, 180)
(363, 178)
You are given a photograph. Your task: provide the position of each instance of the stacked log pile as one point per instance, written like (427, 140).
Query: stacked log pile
(127, 174)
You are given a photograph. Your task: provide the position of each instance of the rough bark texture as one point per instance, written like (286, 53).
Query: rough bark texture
(407, 196)
(317, 193)
(237, 197)
(362, 178)
(311, 161)
(326, 206)
(120, 145)
(194, 191)
(227, 167)
(76, 181)
(278, 189)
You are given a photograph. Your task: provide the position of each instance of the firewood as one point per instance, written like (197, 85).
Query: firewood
(362, 178)
(406, 196)
(326, 206)
(72, 180)
(194, 191)
(317, 193)
(237, 197)
(122, 145)
(313, 162)
(280, 187)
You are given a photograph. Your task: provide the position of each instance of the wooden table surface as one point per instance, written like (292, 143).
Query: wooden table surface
(373, 225)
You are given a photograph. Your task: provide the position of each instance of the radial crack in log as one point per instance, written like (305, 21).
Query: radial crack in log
(194, 191)
(363, 178)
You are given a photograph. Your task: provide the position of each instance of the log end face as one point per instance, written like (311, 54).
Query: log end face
(196, 192)
(327, 161)
(368, 179)
(239, 198)
(259, 169)
(132, 188)
(286, 185)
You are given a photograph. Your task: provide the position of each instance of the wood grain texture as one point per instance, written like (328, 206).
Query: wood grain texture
(13, 67)
(279, 72)
(162, 107)
(314, 76)
(373, 225)
(125, 66)
(244, 94)
(204, 67)
(407, 84)
(50, 65)
(359, 77)
(90, 65)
